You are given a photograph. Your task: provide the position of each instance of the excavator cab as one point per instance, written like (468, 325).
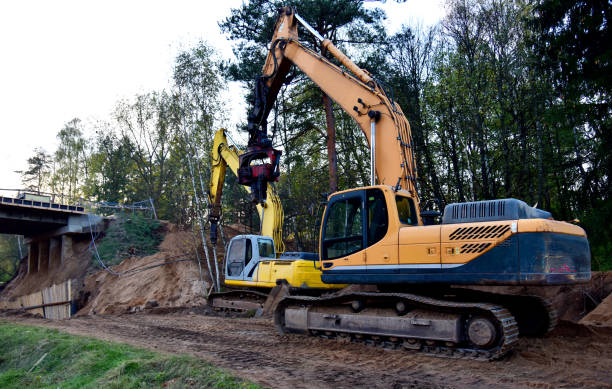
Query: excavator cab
(353, 221)
(244, 254)
(251, 261)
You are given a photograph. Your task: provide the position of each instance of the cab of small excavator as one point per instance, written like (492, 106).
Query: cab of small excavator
(244, 253)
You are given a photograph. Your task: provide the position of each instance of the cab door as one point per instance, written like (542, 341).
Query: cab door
(344, 233)
(381, 242)
(234, 264)
(239, 257)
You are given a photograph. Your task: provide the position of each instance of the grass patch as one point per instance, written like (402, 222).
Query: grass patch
(78, 362)
(127, 236)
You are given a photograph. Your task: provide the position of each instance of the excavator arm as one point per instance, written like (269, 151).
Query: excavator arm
(270, 213)
(354, 89)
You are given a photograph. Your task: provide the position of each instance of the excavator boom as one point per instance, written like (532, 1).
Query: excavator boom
(380, 118)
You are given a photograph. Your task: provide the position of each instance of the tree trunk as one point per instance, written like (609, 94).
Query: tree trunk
(455, 161)
(482, 148)
(332, 155)
(540, 163)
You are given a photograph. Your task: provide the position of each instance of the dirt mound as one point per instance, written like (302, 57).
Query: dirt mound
(168, 278)
(600, 316)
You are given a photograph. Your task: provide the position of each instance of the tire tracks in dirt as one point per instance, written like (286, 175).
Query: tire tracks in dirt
(251, 349)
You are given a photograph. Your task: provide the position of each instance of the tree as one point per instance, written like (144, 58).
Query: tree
(111, 168)
(411, 51)
(69, 160)
(37, 174)
(574, 46)
(197, 79)
(143, 124)
(9, 256)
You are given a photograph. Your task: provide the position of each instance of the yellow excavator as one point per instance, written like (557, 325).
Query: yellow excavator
(254, 264)
(421, 282)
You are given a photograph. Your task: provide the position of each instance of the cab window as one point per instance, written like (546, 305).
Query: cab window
(235, 258)
(266, 248)
(248, 254)
(405, 210)
(343, 229)
(378, 219)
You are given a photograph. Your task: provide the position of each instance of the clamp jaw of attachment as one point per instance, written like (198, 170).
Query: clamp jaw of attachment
(257, 176)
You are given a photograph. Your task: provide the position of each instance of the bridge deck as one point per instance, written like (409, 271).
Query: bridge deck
(41, 204)
(31, 217)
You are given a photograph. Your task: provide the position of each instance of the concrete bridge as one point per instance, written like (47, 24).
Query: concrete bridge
(47, 227)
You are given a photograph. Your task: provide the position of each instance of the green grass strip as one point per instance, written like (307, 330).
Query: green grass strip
(70, 361)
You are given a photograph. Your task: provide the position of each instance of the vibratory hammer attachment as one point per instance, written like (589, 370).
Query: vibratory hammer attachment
(259, 165)
(257, 176)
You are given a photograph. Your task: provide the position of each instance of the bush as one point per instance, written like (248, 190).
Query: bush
(127, 236)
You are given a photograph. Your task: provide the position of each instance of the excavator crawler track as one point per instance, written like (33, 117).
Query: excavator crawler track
(535, 315)
(459, 330)
(237, 300)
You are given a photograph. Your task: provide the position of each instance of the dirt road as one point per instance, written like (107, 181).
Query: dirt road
(251, 349)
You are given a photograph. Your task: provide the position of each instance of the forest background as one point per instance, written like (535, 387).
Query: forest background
(504, 99)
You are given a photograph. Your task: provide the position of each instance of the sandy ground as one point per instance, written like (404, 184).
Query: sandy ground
(572, 357)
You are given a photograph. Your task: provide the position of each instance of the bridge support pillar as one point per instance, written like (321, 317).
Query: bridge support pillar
(43, 255)
(66, 248)
(55, 252)
(33, 257)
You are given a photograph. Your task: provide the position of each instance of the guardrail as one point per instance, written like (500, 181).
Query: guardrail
(73, 204)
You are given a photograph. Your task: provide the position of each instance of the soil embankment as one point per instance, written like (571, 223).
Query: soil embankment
(168, 278)
(600, 316)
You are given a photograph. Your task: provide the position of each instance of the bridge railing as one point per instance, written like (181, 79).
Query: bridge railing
(70, 203)
(145, 207)
(38, 199)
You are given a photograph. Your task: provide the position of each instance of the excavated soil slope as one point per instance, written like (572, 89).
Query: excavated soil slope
(251, 349)
(600, 316)
(170, 285)
(142, 282)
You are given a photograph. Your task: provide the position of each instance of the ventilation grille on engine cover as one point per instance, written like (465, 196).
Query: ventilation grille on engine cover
(474, 247)
(491, 210)
(479, 232)
(479, 210)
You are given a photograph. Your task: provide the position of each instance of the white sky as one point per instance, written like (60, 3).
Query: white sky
(65, 59)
